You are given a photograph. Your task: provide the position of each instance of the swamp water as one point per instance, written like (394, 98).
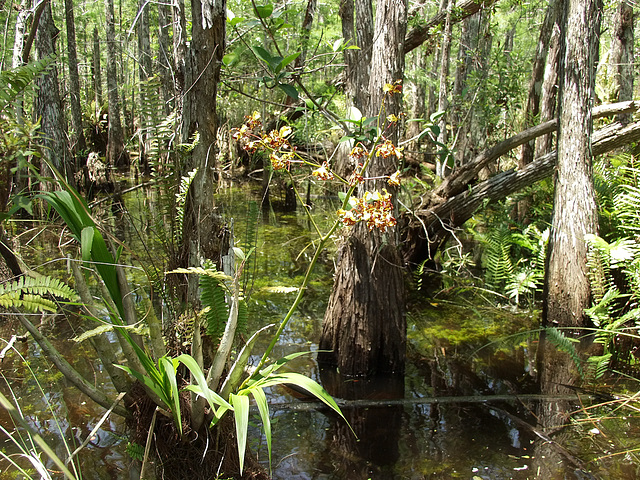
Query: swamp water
(460, 411)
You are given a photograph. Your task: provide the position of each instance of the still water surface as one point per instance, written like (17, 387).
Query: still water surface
(442, 420)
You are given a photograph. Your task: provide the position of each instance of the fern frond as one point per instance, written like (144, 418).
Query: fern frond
(597, 366)
(565, 344)
(28, 293)
(216, 311)
(93, 332)
(209, 272)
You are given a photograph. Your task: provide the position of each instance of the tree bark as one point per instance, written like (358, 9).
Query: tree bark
(567, 291)
(116, 153)
(622, 56)
(424, 33)
(96, 71)
(204, 236)
(364, 325)
(164, 56)
(145, 71)
(443, 91)
(74, 83)
(532, 108)
(48, 103)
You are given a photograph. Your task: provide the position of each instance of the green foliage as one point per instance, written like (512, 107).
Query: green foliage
(565, 344)
(216, 310)
(15, 82)
(135, 451)
(30, 293)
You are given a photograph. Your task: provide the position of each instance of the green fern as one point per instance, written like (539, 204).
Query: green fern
(499, 266)
(216, 310)
(181, 200)
(15, 82)
(565, 344)
(29, 294)
(597, 366)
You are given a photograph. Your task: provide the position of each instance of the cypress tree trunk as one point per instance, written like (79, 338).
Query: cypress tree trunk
(48, 103)
(96, 71)
(364, 325)
(567, 291)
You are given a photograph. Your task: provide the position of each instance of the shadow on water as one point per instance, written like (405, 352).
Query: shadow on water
(467, 407)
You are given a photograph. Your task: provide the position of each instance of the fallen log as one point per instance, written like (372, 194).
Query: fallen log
(433, 223)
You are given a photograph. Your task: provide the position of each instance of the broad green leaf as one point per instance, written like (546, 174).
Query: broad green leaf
(171, 392)
(290, 90)
(337, 44)
(146, 381)
(201, 389)
(287, 60)
(263, 409)
(241, 414)
(237, 369)
(264, 11)
(86, 242)
(263, 55)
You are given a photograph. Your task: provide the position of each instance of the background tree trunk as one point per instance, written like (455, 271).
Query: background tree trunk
(364, 325)
(74, 84)
(567, 291)
(116, 154)
(96, 71)
(622, 55)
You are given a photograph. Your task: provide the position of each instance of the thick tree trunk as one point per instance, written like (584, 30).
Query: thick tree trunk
(364, 325)
(48, 103)
(116, 153)
(204, 236)
(575, 214)
(74, 83)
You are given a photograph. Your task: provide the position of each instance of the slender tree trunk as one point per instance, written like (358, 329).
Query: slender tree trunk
(144, 73)
(96, 71)
(567, 291)
(549, 97)
(443, 95)
(74, 83)
(164, 56)
(622, 56)
(532, 108)
(357, 28)
(364, 325)
(48, 103)
(116, 153)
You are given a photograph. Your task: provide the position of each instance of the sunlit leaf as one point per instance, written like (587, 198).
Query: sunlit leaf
(264, 11)
(241, 414)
